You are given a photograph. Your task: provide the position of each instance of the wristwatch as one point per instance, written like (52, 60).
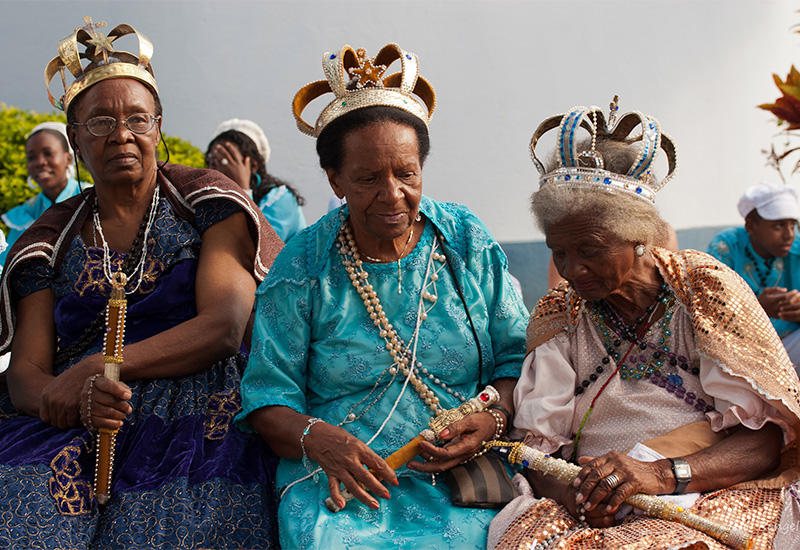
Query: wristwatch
(683, 474)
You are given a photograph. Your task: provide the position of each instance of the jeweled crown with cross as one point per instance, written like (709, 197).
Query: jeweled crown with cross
(572, 170)
(99, 61)
(358, 81)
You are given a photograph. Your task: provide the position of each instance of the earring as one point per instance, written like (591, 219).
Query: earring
(419, 217)
(639, 250)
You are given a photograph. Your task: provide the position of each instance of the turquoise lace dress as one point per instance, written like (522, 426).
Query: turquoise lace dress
(316, 350)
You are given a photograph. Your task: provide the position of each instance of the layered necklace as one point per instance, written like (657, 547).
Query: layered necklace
(140, 240)
(768, 263)
(403, 355)
(400, 257)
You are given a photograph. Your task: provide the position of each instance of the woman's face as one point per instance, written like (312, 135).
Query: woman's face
(47, 161)
(593, 261)
(381, 178)
(122, 157)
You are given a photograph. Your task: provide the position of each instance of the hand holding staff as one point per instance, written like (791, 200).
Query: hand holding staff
(489, 396)
(112, 359)
(518, 453)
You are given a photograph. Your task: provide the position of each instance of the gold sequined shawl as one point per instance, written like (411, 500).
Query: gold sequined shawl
(730, 326)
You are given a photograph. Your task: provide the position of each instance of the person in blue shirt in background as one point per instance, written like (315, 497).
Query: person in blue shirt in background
(767, 256)
(49, 160)
(240, 150)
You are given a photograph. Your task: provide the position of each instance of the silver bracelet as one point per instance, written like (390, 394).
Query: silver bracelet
(306, 461)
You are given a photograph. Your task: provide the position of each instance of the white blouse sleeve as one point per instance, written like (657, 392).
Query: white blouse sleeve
(736, 402)
(544, 397)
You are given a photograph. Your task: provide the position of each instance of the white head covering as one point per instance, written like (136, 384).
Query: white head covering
(772, 201)
(61, 128)
(251, 130)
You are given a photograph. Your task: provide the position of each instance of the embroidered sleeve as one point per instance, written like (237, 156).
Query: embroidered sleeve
(31, 277)
(213, 211)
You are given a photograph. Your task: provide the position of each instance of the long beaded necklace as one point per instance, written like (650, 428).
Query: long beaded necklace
(400, 257)
(141, 236)
(403, 355)
(629, 333)
(133, 260)
(763, 276)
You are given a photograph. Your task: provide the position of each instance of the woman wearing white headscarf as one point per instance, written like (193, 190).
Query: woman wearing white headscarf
(241, 151)
(48, 158)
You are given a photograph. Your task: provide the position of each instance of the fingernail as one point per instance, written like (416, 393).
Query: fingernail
(609, 508)
(374, 504)
(579, 498)
(577, 482)
(444, 433)
(340, 503)
(386, 495)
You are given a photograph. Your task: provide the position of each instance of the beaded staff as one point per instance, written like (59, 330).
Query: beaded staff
(489, 396)
(519, 453)
(112, 359)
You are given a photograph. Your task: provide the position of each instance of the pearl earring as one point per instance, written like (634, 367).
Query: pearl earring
(639, 250)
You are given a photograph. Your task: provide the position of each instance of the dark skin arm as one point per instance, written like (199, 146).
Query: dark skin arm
(224, 297)
(742, 456)
(341, 455)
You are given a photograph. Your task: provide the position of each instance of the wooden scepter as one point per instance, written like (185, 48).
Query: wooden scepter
(489, 396)
(112, 359)
(519, 453)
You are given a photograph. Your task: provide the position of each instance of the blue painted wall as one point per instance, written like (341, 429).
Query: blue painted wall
(528, 261)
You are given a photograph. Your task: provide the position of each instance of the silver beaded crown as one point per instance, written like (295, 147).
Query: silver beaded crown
(572, 170)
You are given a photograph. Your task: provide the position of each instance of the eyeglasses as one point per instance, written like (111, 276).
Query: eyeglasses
(101, 126)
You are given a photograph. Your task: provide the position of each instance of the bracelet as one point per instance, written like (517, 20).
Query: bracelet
(87, 421)
(502, 409)
(499, 425)
(311, 470)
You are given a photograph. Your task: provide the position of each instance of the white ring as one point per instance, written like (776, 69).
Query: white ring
(224, 162)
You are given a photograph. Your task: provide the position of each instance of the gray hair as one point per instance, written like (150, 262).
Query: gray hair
(629, 218)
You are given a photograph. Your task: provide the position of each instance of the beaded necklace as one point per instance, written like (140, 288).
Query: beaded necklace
(144, 229)
(763, 277)
(403, 355)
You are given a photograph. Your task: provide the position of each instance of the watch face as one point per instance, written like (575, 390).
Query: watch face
(682, 471)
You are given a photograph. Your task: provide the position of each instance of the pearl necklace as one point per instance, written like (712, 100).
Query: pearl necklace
(403, 356)
(107, 271)
(400, 257)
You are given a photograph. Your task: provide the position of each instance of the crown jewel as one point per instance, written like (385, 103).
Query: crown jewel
(358, 81)
(572, 170)
(102, 61)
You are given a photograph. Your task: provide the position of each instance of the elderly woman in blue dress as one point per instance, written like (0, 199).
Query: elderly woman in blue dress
(378, 317)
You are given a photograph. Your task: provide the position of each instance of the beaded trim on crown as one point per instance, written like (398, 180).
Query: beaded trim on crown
(358, 81)
(573, 174)
(108, 63)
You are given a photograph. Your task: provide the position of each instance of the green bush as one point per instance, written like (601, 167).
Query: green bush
(14, 127)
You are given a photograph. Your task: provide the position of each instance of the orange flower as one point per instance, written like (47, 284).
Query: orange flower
(787, 108)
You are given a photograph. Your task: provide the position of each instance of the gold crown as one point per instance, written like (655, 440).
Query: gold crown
(358, 81)
(103, 61)
(572, 170)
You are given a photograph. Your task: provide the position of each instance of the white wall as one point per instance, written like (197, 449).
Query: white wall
(499, 68)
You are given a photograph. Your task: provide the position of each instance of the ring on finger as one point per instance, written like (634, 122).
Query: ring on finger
(224, 162)
(612, 481)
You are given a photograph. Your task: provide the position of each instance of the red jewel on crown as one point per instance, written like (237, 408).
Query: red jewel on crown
(484, 397)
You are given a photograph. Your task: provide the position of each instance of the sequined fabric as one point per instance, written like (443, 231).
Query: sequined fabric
(755, 511)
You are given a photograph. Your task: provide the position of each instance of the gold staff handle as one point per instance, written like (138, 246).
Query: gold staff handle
(518, 453)
(489, 396)
(112, 359)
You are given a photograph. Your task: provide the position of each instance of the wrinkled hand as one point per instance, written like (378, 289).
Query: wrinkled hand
(597, 517)
(109, 403)
(343, 457)
(771, 299)
(227, 158)
(635, 476)
(59, 403)
(789, 309)
(464, 438)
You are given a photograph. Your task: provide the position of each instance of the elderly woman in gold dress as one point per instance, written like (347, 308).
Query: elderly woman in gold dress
(656, 371)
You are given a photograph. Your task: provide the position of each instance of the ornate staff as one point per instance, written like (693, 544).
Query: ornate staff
(518, 453)
(112, 358)
(489, 396)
